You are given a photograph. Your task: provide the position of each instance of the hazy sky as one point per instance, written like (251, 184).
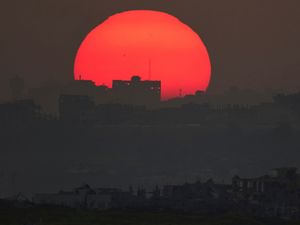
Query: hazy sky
(252, 44)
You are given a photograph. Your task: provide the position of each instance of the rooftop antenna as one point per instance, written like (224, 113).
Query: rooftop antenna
(150, 69)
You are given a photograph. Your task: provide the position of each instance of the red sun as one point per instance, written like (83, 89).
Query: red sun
(151, 44)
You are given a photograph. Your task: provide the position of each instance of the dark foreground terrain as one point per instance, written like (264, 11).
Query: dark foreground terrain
(52, 216)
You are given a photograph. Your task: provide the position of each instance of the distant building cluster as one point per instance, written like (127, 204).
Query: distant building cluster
(19, 113)
(132, 92)
(137, 103)
(283, 112)
(274, 195)
(187, 197)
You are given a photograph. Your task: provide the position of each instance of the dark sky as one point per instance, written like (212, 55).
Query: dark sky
(252, 44)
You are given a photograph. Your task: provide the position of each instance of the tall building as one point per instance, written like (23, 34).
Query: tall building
(17, 87)
(136, 91)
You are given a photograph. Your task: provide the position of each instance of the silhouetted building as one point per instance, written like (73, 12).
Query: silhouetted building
(198, 196)
(136, 91)
(89, 198)
(99, 93)
(74, 108)
(48, 94)
(274, 195)
(277, 194)
(17, 87)
(291, 101)
(19, 112)
(81, 197)
(117, 113)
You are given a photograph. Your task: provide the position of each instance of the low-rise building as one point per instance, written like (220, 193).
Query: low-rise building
(81, 197)
(137, 91)
(276, 194)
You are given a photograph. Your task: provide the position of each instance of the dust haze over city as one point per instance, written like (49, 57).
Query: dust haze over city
(58, 133)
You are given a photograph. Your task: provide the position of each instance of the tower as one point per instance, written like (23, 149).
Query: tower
(17, 87)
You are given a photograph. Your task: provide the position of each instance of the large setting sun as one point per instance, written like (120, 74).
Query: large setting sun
(151, 44)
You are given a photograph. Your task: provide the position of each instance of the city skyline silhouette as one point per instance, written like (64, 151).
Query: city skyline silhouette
(78, 147)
